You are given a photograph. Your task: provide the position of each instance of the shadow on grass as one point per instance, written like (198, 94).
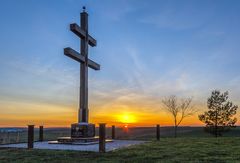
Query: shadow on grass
(165, 150)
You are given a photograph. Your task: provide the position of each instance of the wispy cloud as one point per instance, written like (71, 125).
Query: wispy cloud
(116, 12)
(177, 17)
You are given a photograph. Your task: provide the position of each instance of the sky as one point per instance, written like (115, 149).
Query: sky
(147, 49)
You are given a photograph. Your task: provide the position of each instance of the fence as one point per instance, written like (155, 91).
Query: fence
(19, 135)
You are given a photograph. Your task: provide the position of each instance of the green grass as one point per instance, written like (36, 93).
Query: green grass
(226, 149)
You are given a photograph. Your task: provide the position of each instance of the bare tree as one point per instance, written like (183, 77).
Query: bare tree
(179, 109)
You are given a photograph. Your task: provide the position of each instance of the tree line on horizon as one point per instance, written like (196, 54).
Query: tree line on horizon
(218, 119)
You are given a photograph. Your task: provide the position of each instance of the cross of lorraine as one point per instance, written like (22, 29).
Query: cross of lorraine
(83, 129)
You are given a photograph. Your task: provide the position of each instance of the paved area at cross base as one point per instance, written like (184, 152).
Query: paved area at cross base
(110, 146)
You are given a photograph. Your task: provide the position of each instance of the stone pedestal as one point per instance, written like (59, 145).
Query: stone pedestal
(81, 134)
(82, 130)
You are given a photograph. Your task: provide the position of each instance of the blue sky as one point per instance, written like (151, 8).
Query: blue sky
(147, 50)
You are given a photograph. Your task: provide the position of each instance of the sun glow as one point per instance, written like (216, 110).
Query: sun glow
(127, 118)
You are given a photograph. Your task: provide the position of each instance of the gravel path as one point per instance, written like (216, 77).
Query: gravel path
(116, 144)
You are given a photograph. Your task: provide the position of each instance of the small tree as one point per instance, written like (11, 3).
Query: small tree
(179, 109)
(219, 118)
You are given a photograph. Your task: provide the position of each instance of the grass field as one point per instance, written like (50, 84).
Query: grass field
(192, 145)
(225, 149)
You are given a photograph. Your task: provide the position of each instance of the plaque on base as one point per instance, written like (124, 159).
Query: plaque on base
(82, 130)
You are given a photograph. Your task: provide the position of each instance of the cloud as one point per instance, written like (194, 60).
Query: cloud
(116, 12)
(176, 17)
(40, 82)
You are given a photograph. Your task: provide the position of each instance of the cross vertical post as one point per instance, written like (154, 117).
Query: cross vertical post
(83, 102)
(83, 128)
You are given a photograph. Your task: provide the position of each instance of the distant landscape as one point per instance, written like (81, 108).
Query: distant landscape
(136, 133)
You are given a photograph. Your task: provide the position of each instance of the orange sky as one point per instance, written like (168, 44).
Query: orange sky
(22, 113)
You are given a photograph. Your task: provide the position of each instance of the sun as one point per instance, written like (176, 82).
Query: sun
(127, 118)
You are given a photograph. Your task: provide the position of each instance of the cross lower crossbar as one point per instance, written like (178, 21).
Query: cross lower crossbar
(80, 58)
(93, 65)
(74, 55)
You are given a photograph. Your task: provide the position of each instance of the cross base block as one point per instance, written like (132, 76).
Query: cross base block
(82, 130)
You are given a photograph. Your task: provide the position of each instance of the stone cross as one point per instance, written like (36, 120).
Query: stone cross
(86, 40)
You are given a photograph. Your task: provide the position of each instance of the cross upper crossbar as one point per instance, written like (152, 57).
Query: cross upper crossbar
(82, 34)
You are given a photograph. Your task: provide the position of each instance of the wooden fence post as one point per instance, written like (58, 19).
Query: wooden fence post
(17, 139)
(158, 132)
(113, 132)
(30, 136)
(8, 137)
(40, 133)
(102, 136)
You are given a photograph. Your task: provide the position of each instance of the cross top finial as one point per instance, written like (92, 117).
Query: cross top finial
(84, 8)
